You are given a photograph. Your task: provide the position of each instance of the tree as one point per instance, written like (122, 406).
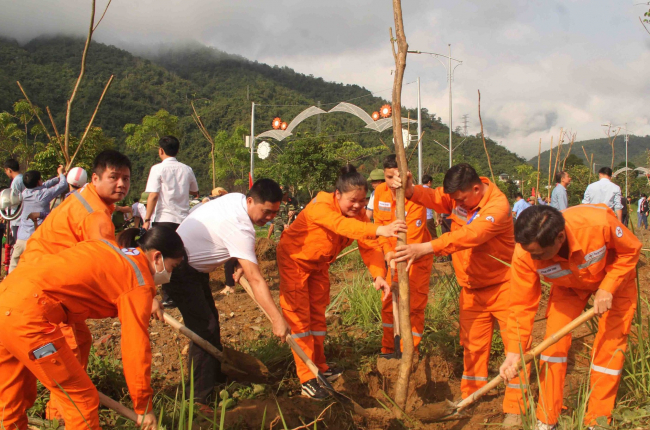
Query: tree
(573, 160)
(309, 163)
(49, 157)
(145, 136)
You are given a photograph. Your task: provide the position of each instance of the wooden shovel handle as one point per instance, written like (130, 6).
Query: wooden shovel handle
(118, 407)
(528, 357)
(198, 340)
(291, 341)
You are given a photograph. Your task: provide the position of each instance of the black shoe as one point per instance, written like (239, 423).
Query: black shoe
(169, 304)
(333, 373)
(389, 356)
(312, 390)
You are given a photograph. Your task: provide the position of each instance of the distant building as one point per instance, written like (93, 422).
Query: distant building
(504, 177)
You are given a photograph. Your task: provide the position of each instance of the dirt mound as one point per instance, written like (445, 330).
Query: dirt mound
(429, 384)
(265, 249)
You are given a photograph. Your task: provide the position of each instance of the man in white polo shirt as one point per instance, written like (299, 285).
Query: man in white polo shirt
(169, 186)
(213, 234)
(605, 191)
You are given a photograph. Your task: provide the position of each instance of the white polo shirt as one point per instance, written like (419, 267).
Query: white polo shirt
(173, 181)
(138, 209)
(217, 231)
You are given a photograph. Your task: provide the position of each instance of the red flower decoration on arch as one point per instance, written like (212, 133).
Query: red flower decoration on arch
(386, 111)
(277, 123)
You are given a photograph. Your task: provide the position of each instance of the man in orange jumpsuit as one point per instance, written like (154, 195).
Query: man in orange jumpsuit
(481, 233)
(99, 281)
(85, 215)
(420, 270)
(584, 251)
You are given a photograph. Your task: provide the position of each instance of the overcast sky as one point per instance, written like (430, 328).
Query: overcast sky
(540, 65)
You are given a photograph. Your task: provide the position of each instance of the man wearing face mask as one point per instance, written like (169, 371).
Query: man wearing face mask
(481, 232)
(214, 233)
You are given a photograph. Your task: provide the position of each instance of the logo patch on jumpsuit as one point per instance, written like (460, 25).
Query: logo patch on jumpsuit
(549, 270)
(130, 251)
(418, 223)
(384, 206)
(490, 218)
(619, 232)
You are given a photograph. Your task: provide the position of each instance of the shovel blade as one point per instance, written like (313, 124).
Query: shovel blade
(241, 366)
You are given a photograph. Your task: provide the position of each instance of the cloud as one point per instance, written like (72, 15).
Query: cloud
(539, 65)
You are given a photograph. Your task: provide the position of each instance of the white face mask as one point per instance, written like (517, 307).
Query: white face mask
(163, 276)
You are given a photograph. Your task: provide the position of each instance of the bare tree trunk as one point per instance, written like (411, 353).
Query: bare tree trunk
(550, 163)
(66, 144)
(539, 153)
(483, 137)
(406, 364)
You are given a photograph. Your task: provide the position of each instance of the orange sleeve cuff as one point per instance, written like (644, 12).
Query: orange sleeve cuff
(371, 230)
(417, 194)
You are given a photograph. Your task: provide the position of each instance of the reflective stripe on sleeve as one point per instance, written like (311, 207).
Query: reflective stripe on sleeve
(517, 386)
(136, 269)
(558, 274)
(416, 334)
(84, 202)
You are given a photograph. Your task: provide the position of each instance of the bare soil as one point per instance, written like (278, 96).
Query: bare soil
(434, 379)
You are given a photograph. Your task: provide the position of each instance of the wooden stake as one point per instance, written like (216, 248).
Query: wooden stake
(56, 131)
(66, 143)
(33, 110)
(539, 153)
(573, 138)
(399, 56)
(591, 164)
(90, 123)
(483, 137)
(206, 134)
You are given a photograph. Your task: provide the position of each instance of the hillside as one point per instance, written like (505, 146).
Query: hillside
(171, 78)
(637, 147)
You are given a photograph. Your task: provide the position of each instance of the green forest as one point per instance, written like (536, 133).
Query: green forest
(151, 97)
(160, 89)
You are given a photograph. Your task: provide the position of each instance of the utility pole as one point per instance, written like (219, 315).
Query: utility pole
(450, 77)
(252, 142)
(419, 136)
(450, 74)
(465, 120)
(318, 120)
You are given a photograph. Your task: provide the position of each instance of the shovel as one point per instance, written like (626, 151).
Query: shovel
(397, 339)
(445, 409)
(342, 399)
(244, 365)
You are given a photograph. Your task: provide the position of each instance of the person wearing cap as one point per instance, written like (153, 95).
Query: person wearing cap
(376, 177)
(77, 179)
(37, 196)
(216, 192)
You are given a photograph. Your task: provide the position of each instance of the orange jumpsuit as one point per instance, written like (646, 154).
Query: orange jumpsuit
(603, 254)
(476, 237)
(81, 216)
(304, 254)
(420, 271)
(37, 297)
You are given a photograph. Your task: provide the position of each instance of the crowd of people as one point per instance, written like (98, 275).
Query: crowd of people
(68, 265)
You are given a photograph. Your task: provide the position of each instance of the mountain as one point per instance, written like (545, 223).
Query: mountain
(637, 148)
(225, 85)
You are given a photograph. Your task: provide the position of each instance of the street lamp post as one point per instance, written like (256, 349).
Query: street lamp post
(450, 77)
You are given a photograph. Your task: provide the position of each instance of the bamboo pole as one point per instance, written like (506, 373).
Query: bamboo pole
(573, 138)
(483, 137)
(539, 153)
(56, 130)
(586, 156)
(399, 56)
(591, 164)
